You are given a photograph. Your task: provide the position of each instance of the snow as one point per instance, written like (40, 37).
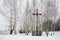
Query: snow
(56, 36)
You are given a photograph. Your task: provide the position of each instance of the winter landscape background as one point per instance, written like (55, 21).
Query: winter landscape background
(20, 9)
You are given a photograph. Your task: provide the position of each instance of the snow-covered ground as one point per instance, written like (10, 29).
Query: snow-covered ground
(56, 36)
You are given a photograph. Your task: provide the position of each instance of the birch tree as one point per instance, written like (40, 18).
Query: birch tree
(13, 12)
(9, 11)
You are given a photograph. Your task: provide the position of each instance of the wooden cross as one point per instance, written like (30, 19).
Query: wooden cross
(36, 20)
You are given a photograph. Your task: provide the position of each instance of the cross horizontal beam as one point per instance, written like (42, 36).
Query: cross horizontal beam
(37, 14)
